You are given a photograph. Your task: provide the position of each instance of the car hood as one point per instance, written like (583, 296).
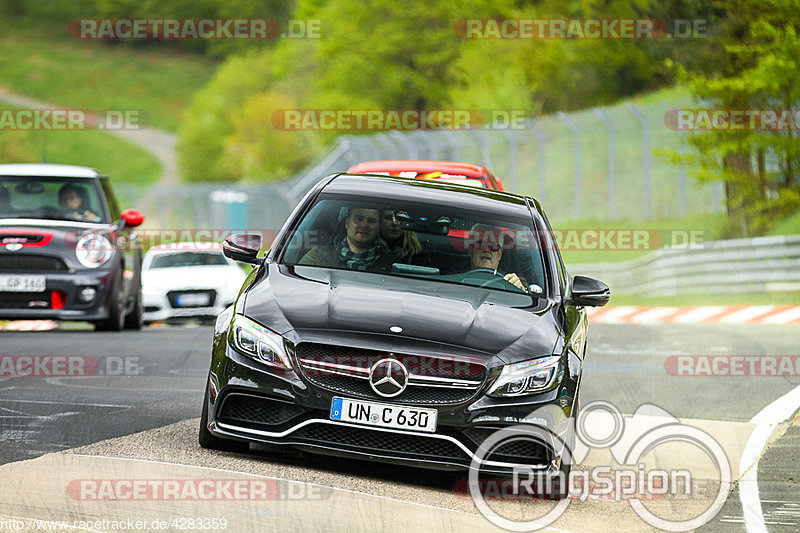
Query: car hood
(309, 300)
(192, 277)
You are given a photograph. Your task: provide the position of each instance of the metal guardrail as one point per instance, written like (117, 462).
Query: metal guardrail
(760, 264)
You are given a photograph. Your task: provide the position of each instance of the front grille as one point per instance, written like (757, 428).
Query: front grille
(255, 410)
(381, 442)
(432, 380)
(175, 298)
(31, 263)
(25, 300)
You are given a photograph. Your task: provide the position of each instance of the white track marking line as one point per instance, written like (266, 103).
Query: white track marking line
(765, 422)
(743, 316)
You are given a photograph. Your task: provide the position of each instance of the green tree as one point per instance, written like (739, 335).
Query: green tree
(755, 69)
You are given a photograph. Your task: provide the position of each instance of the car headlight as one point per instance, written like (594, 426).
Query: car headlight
(93, 250)
(258, 342)
(527, 377)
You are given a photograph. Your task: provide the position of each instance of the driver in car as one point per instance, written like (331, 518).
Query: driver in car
(71, 202)
(358, 249)
(485, 251)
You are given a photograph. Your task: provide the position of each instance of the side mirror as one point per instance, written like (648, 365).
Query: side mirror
(589, 292)
(242, 247)
(132, 217)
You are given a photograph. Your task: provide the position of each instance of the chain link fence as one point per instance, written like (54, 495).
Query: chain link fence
(601, 164)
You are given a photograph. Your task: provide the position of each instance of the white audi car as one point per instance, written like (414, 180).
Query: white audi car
(188, 280)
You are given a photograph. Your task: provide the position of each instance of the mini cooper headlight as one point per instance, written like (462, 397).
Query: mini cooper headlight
(93, 250)
(527, 377)
(258, 342)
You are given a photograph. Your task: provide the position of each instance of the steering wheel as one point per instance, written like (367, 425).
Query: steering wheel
(491, 276)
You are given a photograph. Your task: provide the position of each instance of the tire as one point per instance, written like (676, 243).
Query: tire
(133, 320)
(116, 313)
(211, 442)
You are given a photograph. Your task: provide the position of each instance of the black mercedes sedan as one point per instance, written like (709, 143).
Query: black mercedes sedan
(402, 321)
(66, 250)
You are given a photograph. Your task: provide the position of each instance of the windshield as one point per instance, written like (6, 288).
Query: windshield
(188, 259)
(51, 198)
(420, 240)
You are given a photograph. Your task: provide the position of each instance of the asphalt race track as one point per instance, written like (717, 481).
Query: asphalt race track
(130, 410)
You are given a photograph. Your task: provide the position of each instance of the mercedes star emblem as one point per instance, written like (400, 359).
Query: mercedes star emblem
(388, 378)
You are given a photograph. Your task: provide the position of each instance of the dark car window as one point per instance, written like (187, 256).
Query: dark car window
(439, 243)
(185, 259)
(44, 198)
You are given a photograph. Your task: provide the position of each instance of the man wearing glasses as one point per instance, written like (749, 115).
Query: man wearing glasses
(485, 250)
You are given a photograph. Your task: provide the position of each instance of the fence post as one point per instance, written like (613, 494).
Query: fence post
(454, 144)
(576, 139)
(512, 159)
(541, 139)
(612, 161)
(411, 149)
(424, 141)
(645, 159)
(484, 148)
(388, 144)
(682, 178)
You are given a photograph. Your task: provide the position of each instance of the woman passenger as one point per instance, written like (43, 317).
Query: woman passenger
(404, 244)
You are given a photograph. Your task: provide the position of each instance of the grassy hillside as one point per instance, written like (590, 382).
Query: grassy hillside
(121, 160)
(40, 60)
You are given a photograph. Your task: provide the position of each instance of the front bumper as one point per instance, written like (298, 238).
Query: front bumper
(249, 402)
(60, 300)
(157, 306)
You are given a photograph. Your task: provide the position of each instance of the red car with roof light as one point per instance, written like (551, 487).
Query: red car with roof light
(447, 171)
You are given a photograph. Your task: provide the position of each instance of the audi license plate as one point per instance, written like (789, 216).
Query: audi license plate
(383, 415)
(22, 283)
